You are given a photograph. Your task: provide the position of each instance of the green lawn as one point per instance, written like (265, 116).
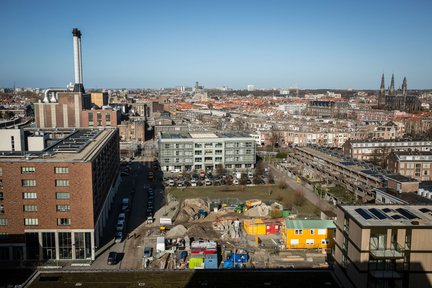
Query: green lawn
(285, 196)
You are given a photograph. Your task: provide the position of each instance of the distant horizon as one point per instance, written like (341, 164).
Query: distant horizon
(171, 43)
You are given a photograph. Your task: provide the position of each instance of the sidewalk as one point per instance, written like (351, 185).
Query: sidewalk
(308, 193)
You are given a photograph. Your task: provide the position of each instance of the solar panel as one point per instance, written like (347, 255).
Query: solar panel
(387, 210)
(397, 217)
(407, 213)
(364, 214)
(425, 210)
(378, 213)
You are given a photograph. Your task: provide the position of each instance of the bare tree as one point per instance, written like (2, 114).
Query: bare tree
(299, 198)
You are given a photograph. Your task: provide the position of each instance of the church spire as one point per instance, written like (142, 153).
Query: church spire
(404, 87)
(392, 86)
(382, 87)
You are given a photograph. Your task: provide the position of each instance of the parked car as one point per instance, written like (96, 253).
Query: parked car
(148, 252)
(124, 174)
(121, 217)
(118, 237)
(193, 183)
(208, 182)
(120, 226)
(113, 258)
(171, 183)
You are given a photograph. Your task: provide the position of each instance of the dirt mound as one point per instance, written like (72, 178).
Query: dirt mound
(176, 232)
(197, 232)
(227, 228)
(189, 208)
(258, 211)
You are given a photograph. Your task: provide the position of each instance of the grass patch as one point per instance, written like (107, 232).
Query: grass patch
(284, 195)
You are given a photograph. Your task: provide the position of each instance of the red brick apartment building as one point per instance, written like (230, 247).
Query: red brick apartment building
(55, 199)
(411, 164)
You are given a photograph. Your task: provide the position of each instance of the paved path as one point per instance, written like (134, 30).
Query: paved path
(308, 193)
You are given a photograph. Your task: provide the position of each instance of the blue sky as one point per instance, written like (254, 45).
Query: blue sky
(268, 43)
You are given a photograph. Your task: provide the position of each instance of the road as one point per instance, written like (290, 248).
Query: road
(135, 187)
(308, 193)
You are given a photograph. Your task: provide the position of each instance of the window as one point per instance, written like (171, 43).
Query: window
(27, 170)
(3, 221)
(1, 196)
(198, 159)
(63, 208)
(99, 119)
(62, 195)
(61, 170)
(310, 242)
(4, 235)
(28, 182)
(1, 171)
(167, 146)
(90, 117)
(312, 231)
(218, 159)
(29, 208)
(108, 119)
(198, 145)
(1, 184)
(61, 183)
(298, 231)
(198, 152)
(63, 221)
(29, 195)
(2, 209)
(325, 241)
(31, 221)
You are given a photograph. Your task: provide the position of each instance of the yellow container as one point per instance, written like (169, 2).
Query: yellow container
(255, 227)
(196, 263)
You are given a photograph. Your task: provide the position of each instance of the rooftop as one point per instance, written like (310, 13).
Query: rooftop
(309, 224)
(391, 215)
(78, 145)
(202, 135)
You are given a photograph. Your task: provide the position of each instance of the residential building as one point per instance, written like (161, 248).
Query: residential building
(56, 198)
(411, 164)
(384, 246)
(308, 234)
(370, 149)
(180, 151)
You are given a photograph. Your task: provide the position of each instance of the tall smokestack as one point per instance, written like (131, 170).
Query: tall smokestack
(78, 86)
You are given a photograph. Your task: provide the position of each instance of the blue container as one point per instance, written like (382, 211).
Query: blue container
(211, 261)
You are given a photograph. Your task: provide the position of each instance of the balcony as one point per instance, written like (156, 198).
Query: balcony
(395, 252)
(385, 274)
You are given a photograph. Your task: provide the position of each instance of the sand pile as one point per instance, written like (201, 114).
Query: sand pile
(261, 210)
(197, 232)
(176, 232)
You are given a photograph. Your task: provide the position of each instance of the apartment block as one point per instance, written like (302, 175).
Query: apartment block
(367, 150)
(356, 178)
(55, 200)
(384, 246)
(180, 151)
(308, 234)
(417, 165)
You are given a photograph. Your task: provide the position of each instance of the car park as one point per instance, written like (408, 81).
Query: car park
(113, 258)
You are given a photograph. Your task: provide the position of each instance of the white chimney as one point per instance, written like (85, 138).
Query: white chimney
(78, 87)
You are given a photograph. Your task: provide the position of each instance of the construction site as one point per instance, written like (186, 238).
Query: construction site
(205, 233)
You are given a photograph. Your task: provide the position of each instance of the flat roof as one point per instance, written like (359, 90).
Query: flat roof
(391, 215)
(80, 145)
(202, 135)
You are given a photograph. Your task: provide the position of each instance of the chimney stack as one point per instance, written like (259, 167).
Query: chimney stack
(78, 86)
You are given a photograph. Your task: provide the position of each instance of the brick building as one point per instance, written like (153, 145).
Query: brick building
(367, 150)
(412, 164)
(56, 200)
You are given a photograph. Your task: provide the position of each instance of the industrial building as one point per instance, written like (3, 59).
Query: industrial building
(180, 151)
(384, 246)
(56, 192)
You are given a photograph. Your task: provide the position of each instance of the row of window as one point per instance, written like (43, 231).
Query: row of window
(311, 231)
(31, 169)
(32, 183)
(35, 221)
(59, 195)
(309, 241)
(59, 208)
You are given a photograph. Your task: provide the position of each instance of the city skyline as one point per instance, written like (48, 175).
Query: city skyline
(153, 45)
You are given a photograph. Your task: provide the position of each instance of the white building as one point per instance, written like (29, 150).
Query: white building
(187, 151)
